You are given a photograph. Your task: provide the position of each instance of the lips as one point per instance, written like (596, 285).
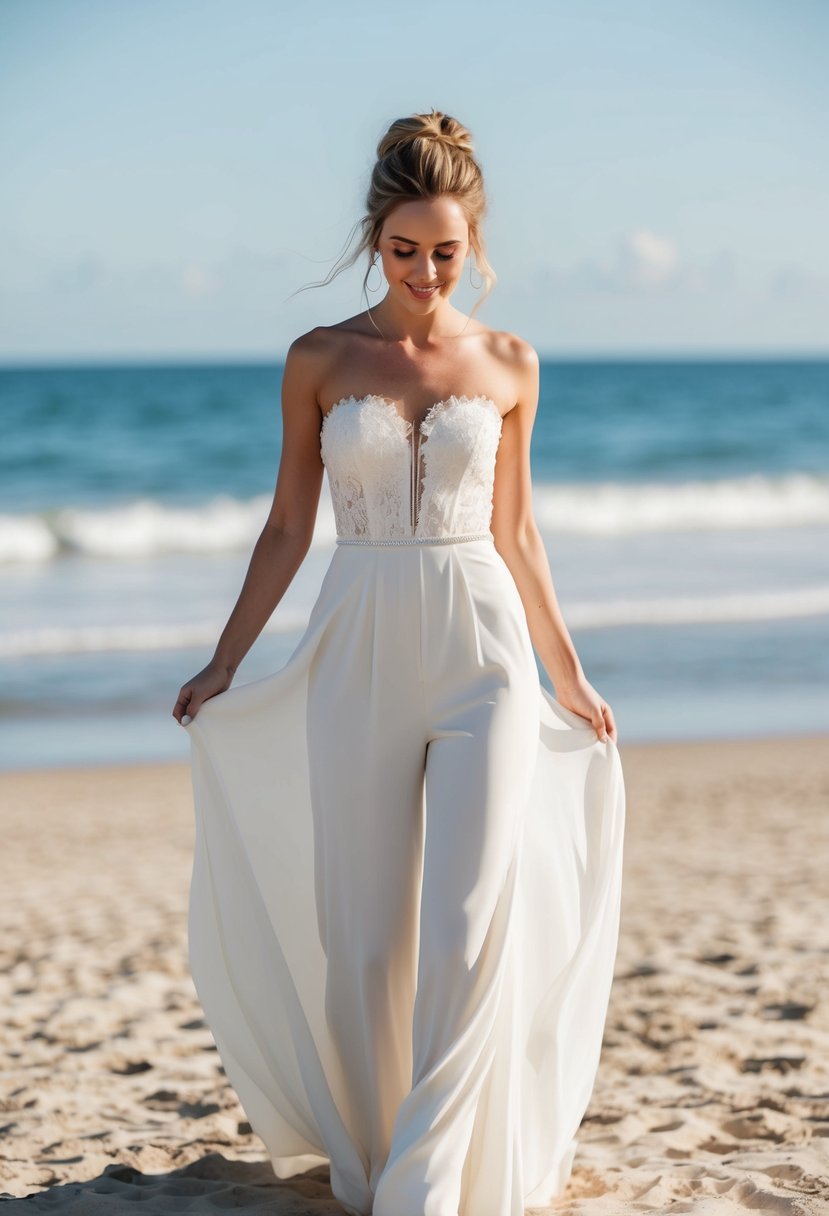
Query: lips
(421, 293)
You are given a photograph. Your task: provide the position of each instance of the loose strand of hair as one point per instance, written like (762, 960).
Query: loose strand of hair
(342, 263)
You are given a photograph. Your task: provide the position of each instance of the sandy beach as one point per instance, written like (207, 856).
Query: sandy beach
(713, 1088)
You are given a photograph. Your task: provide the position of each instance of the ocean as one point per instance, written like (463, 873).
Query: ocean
(684, 506)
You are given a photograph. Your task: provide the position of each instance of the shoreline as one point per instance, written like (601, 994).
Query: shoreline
(718, 741)
(713, 1085)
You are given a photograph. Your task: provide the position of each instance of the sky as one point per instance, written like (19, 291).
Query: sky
(174, 170)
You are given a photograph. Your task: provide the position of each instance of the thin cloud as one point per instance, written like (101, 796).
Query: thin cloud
(643, 262)
(198, 281)
(648, 260)
(791, 282)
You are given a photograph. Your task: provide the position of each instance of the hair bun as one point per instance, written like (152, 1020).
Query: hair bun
(423, 156)
(437, 126)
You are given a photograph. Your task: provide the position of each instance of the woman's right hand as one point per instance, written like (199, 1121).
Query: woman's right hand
(211, 680)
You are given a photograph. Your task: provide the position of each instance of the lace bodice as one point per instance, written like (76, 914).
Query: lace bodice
(390, 478)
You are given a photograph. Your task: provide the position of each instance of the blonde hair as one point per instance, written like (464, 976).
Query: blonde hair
(423, 156)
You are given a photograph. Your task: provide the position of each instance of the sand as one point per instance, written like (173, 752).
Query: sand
(713, 1087)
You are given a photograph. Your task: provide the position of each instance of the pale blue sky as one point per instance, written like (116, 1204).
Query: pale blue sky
(174, 169)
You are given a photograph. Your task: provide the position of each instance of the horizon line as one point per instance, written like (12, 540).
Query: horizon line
(230, 359)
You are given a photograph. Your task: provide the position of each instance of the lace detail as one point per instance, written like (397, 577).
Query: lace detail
(360, 447)
(459, 466)
(437, 482)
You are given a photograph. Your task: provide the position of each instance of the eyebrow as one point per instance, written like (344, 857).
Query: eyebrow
(409, 241)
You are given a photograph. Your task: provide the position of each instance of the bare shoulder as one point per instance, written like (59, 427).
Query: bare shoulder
(326, 342)
(515, 352)
(314, 345)
(518, 367)
(311, 355)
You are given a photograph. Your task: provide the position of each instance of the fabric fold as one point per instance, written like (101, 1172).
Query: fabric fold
(256, 951)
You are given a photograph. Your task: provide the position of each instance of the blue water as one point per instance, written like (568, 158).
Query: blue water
(102, 435)
(684, 507)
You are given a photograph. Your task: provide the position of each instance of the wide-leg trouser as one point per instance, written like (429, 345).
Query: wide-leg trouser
(422, 727)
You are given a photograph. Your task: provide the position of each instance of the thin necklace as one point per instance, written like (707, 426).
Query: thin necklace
(385, 339)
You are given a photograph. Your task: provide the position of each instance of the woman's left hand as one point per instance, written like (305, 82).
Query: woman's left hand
(583, 699)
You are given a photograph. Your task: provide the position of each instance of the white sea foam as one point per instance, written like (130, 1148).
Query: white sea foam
(27, 539)
(100, 639)
(702, 610)
(754, 502)
(149, 528)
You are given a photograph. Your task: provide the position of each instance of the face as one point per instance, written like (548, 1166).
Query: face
(423, 244)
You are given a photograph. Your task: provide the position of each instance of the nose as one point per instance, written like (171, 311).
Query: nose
(426, 271)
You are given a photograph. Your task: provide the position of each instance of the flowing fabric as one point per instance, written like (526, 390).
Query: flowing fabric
(404, 905)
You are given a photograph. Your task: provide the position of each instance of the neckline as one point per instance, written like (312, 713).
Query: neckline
(409, 424)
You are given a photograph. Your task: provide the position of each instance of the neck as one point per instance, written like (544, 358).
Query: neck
(398, 324)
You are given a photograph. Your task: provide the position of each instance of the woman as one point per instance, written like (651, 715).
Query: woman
(405, 895)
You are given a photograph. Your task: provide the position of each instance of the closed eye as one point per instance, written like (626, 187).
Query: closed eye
(443, 257)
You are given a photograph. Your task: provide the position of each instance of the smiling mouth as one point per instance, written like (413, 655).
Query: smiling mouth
(423, 293)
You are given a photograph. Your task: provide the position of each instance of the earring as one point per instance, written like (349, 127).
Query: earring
(477, 286)
(374, 266)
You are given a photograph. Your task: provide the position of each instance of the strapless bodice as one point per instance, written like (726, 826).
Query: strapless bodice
(391, 478)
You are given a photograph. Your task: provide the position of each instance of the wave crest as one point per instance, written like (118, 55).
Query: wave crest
(701, 610)
(149, 528)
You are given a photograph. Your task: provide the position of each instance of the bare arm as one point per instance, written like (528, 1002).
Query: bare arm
(286, 536)
(519, 542)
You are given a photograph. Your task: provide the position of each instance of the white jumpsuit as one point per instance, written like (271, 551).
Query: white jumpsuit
(404, 906)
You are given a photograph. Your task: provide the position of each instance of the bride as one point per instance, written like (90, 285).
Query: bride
(405, 895)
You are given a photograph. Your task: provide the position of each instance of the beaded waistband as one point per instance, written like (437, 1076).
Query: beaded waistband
(414, 540)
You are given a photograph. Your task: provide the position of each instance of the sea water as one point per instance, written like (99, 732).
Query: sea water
(684, 506)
